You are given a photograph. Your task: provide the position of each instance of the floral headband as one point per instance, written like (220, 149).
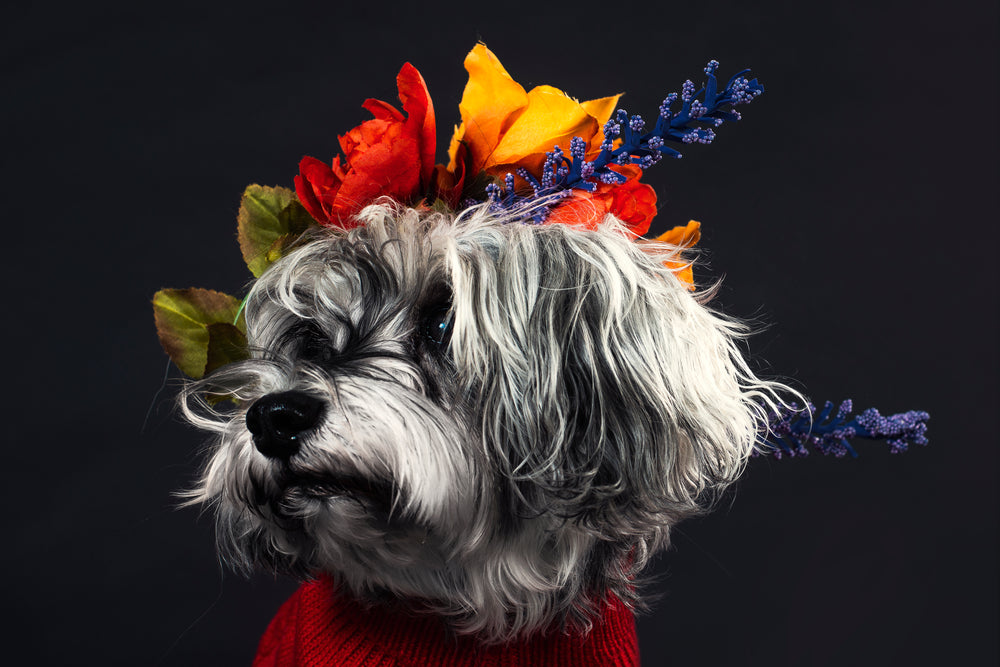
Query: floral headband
(514, 137)
(509, 153)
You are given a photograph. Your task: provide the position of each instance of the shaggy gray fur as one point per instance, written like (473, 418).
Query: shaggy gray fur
(586, 402)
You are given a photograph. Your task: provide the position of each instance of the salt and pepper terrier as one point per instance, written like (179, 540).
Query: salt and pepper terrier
(500, 421)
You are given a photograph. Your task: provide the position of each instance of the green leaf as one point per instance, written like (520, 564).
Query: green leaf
(441, 206)
(226, 344)
(196, 329)
(269, 222)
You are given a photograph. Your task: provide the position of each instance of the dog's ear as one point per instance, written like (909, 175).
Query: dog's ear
(608, 393)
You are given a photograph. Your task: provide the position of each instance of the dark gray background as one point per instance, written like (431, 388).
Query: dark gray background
(853, 211)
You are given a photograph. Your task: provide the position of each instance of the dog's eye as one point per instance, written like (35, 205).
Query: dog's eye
(315, 347)
(437, 325)
(318, 352)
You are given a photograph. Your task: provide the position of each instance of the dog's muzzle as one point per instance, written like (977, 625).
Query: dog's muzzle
(277, 420)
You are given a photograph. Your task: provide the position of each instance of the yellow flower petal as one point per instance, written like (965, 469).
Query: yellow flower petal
(456, 140)
(601, 109)
(503, 127)
(552, 118)
(491, 103)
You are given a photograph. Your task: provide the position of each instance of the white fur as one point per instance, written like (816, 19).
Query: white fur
(587, 402)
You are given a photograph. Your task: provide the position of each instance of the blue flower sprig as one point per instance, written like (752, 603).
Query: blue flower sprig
(700, 113)
(792, 431)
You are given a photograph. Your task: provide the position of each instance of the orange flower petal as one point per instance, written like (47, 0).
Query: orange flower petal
(684, 236)
(492, 101)
(601, 109)
(457, 144)
(552, 118)
(683, 272)
(503, 127)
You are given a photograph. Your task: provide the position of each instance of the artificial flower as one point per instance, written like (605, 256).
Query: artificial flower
(632, 202)
(503, 127)
(391, 155)
(682, 237)
(448, 185)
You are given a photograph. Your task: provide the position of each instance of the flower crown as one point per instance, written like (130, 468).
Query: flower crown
(508, 154)
(507, 149)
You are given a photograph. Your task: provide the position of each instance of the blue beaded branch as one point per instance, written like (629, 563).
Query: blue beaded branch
(792, 431)
(695, 122)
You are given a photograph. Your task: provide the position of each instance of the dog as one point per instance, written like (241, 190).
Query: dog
(493, 422)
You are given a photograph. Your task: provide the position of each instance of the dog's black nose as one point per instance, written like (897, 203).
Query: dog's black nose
(277, 420)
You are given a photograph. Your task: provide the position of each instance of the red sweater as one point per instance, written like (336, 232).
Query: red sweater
(317, 627)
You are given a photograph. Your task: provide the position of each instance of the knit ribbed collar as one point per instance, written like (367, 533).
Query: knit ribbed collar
(319, 626)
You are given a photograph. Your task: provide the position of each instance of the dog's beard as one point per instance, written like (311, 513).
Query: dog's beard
(383, 486)
(509, 478)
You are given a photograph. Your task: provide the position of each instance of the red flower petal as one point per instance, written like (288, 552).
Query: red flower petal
(634, 203)
(581, 209)
(317, 185)
(383, 110)
(361, 138)
(390, 155)
(417, 103)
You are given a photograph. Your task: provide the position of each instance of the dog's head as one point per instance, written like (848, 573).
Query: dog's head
(498, 421)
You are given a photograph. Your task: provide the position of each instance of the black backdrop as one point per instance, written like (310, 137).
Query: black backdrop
(853, 212)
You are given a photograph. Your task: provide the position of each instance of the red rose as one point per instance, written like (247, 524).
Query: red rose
(632, 202)
(391, 155)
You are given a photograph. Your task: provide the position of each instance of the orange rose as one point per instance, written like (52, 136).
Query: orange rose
(391, 155)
